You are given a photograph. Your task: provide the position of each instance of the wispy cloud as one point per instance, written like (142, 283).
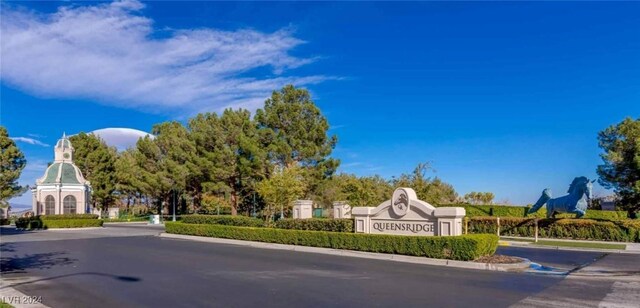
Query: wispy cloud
(112, 53)
(350, 165)
(30, 141)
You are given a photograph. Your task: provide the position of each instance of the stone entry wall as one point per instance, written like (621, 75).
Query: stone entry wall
(404, 214)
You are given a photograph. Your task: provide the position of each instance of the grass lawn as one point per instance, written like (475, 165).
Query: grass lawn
(131, 219)
(581, 244)
(568, 244)
(5, 305)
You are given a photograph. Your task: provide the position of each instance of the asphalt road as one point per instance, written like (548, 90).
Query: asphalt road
(125, 266)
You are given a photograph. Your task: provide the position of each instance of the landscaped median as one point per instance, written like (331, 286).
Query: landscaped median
(465, 248)
(59, 221)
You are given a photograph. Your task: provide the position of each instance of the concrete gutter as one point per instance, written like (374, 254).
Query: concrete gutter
(356, 254)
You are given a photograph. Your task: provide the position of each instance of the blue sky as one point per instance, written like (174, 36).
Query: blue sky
(501, 97)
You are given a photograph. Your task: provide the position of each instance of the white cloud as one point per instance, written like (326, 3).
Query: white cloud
(30, 141)
(111, 53)
(121, 138)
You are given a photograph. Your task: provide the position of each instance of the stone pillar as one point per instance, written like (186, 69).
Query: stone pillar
(303, 209)
(449, 220)
(362, 219)
(58, 209)
(341, 210)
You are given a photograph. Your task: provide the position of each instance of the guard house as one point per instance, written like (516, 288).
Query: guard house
(62, 189)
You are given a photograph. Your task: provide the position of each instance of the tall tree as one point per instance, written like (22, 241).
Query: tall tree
(298, 134)
(12, 162)
(97, 161)
(232, 152)
(128, 176)
(166, 162)
(621, 157)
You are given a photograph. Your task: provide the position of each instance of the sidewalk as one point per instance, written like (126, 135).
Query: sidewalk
(632, 248)
(612, 266)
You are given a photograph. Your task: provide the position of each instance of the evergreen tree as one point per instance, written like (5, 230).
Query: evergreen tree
(232, 151)
(12, 162)
(97, 161)
(166, 163)
(297, 131)
(621, 168)
(128, 176)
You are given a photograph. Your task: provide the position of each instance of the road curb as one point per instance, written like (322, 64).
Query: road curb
(355, 254)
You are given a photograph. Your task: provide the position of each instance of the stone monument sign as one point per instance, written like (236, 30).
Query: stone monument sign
(404, 214)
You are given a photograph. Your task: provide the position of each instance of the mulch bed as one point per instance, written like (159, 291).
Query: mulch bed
(499, 259)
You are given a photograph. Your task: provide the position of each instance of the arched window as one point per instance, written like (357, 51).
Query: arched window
(49, 205)
(69, 204)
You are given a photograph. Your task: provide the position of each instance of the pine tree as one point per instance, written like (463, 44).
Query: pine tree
(12, 162)
(297, 131)
(97, 161)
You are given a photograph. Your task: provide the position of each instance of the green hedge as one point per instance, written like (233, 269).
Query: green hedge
(45, 222)
(580, 229)
(316, 224)
(466, 247)
(4, 221)
(241, 221)
(69, 216)
(521, 211)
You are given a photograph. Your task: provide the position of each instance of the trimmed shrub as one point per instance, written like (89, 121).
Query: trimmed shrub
(316, 224)
(242, 221)
(4, 221)
(521, 211)
(69, 216)
(466, 247)
(45, 222)
(71, 223)
(579, 229)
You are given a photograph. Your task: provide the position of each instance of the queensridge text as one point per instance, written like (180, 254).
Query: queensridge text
(403, 226)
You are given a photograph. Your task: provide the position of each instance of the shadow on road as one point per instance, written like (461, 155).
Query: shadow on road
(116, 277)
(20, 264)
(11, 230)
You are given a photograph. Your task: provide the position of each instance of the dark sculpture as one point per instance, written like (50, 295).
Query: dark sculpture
(576, 202)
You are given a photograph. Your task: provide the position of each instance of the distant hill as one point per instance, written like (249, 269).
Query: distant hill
(19, 207)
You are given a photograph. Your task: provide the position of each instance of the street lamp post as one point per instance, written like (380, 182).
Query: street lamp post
(174, 205)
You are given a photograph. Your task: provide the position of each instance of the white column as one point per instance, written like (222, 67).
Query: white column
(362, 216)
(59, 200)
(303, 209)
(449, 220)
(341, 210)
